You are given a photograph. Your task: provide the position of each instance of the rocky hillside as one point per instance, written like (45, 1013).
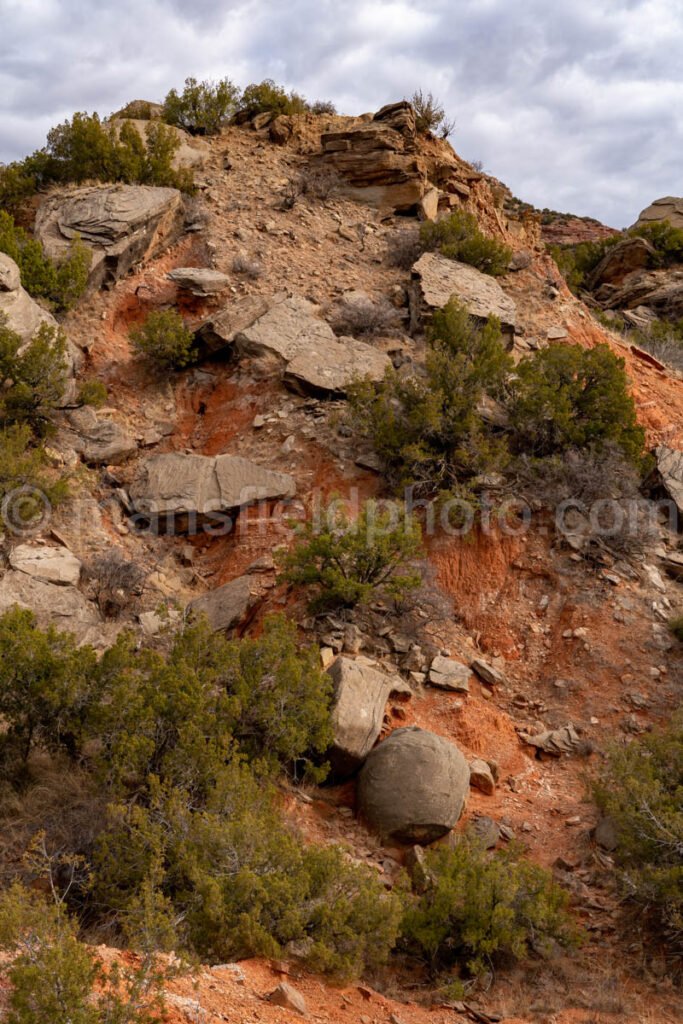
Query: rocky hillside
(489, 702)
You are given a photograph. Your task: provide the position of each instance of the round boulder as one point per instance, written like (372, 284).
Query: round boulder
(413, 786)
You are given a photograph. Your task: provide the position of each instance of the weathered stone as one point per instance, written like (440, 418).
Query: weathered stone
(670, 208)
(429, 204)
(313, 358)
(485, 830)
(200, 281)
(289, 997)
(667, 476)
(436, 280)
(99, 442)
(413, 786)
(660, 291)
(605, 834)
(447, 674)
(360, 696)
(179, 485)
(24, 316)
(379, 159)
(48, 564)
(481, 776)
(621, 259)
(557, 333)
(554, 741)
(220, 330)
(121, 224)
(61, 606)
(280, 130)
(487, 672)
(226, 606)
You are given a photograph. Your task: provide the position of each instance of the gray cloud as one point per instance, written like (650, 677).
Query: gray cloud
(575, 106)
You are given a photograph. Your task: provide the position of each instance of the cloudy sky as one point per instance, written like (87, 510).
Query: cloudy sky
(576, 104)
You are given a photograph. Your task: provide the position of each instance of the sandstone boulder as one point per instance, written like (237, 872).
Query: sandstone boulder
(225, 607)
(669, 208)
(620, 260)
(379, 160)
(360, 695)
(121, 224)
(180, 487)
(413, 786)
(62, 606)
(447, 674)
(481, 776)
(24, 316)
(288, 997)
(488, 673)
(200, 281)
(99, 442)
(436, 280)
(313, 358)
(220, 329)
(48, 564)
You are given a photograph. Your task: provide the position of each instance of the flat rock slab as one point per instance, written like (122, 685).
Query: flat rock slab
(200, 281)
(413, 786)
(438, 280)
(226, 606)
(51, 565)
(174, 484)
(361, 692)
(121, 224)
(314, 359)
(447, 674)
(220, 329)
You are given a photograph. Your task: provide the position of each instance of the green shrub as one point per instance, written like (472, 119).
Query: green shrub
(55, 977)
(165, 340)
(240, 883)
(35, 376)
(640, 789)
(430, 115)
(666, 239)
(202, 108)
(345, 563)
(86, 148)
(92, 392)
(62, 283)
(45, 687)
(16, 185)
(27, 488)
(267, 96)
(458, 237)
(577, 262)
(425, 428)
(567, 397)
(180, 717)
(676, 627)
(321, 107)
(482, 908)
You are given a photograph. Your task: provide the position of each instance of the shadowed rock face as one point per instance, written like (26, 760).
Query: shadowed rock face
(122, 224)
(413, 786)
(178, 487)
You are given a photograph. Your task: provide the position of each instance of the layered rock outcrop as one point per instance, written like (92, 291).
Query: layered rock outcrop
(121, 224)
